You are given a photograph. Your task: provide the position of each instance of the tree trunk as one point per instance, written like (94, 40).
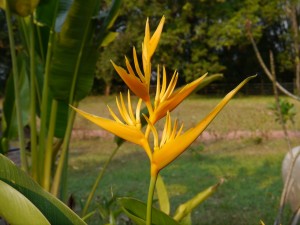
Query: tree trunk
(292, 12)
(107, 90)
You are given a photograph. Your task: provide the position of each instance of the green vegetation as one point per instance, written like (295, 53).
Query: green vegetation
(209, 36)
(251, 166)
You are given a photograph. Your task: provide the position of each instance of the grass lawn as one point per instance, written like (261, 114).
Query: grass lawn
(250, 164)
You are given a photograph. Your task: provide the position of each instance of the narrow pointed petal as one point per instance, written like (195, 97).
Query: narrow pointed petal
(129, 133)
(137, 66)
(154, 131)
(130, 111)
(135, 85)
(171, 150)
(175, 99)
(171, 87)
(114, 115)
(156, 36)
(147, 33)
(157, 93)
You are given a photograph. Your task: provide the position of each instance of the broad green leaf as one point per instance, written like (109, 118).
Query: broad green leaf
(20, 7)
(52, 12)
(74, 54)
(15, 208)
(52, 208)
(136, 210)
(162, 194)
(184, 209)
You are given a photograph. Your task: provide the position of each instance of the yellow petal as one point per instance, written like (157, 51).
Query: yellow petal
(135, 85)
(137, 66)
(129, 133)
(147, 34)
(171, 150)
(175, 99)
(155, 38)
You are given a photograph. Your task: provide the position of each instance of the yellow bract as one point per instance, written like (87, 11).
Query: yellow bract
(167, 100)
(129, 130)
(176, 145)
(140, 84)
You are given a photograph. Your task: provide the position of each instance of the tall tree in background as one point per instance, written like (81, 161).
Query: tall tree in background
(195, 39)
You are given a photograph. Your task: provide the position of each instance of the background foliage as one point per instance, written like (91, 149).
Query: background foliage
(207, 36)
(200, 36)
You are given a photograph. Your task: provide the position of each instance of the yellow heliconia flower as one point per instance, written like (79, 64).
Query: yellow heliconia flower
(174, 143)
(166, 99)
(129, 130)
(140, 84)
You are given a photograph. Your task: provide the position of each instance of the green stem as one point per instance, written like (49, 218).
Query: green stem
(45, 96)
(49, 148)
(150, 199)
(33, 135)
(16, 89)
(64, 152)
(100, 175)
(44, 106)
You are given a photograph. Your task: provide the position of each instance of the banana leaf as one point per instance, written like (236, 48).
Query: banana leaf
(74, 54)
(15, 208)
(52, 208)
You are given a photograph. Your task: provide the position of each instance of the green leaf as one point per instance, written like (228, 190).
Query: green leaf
(184, 209)
(75, 54)
(48, 12)
(136, 210)
(52, 208)
(15, 208)
(162, 194)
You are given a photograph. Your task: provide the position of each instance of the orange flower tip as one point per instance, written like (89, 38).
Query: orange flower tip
(203, 76)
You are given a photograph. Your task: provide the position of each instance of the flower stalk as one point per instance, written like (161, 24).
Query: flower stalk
(150, 199)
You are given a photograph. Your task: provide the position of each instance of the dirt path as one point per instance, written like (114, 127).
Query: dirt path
(205, 136)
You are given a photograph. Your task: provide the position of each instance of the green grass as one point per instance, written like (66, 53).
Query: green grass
(251, 166)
